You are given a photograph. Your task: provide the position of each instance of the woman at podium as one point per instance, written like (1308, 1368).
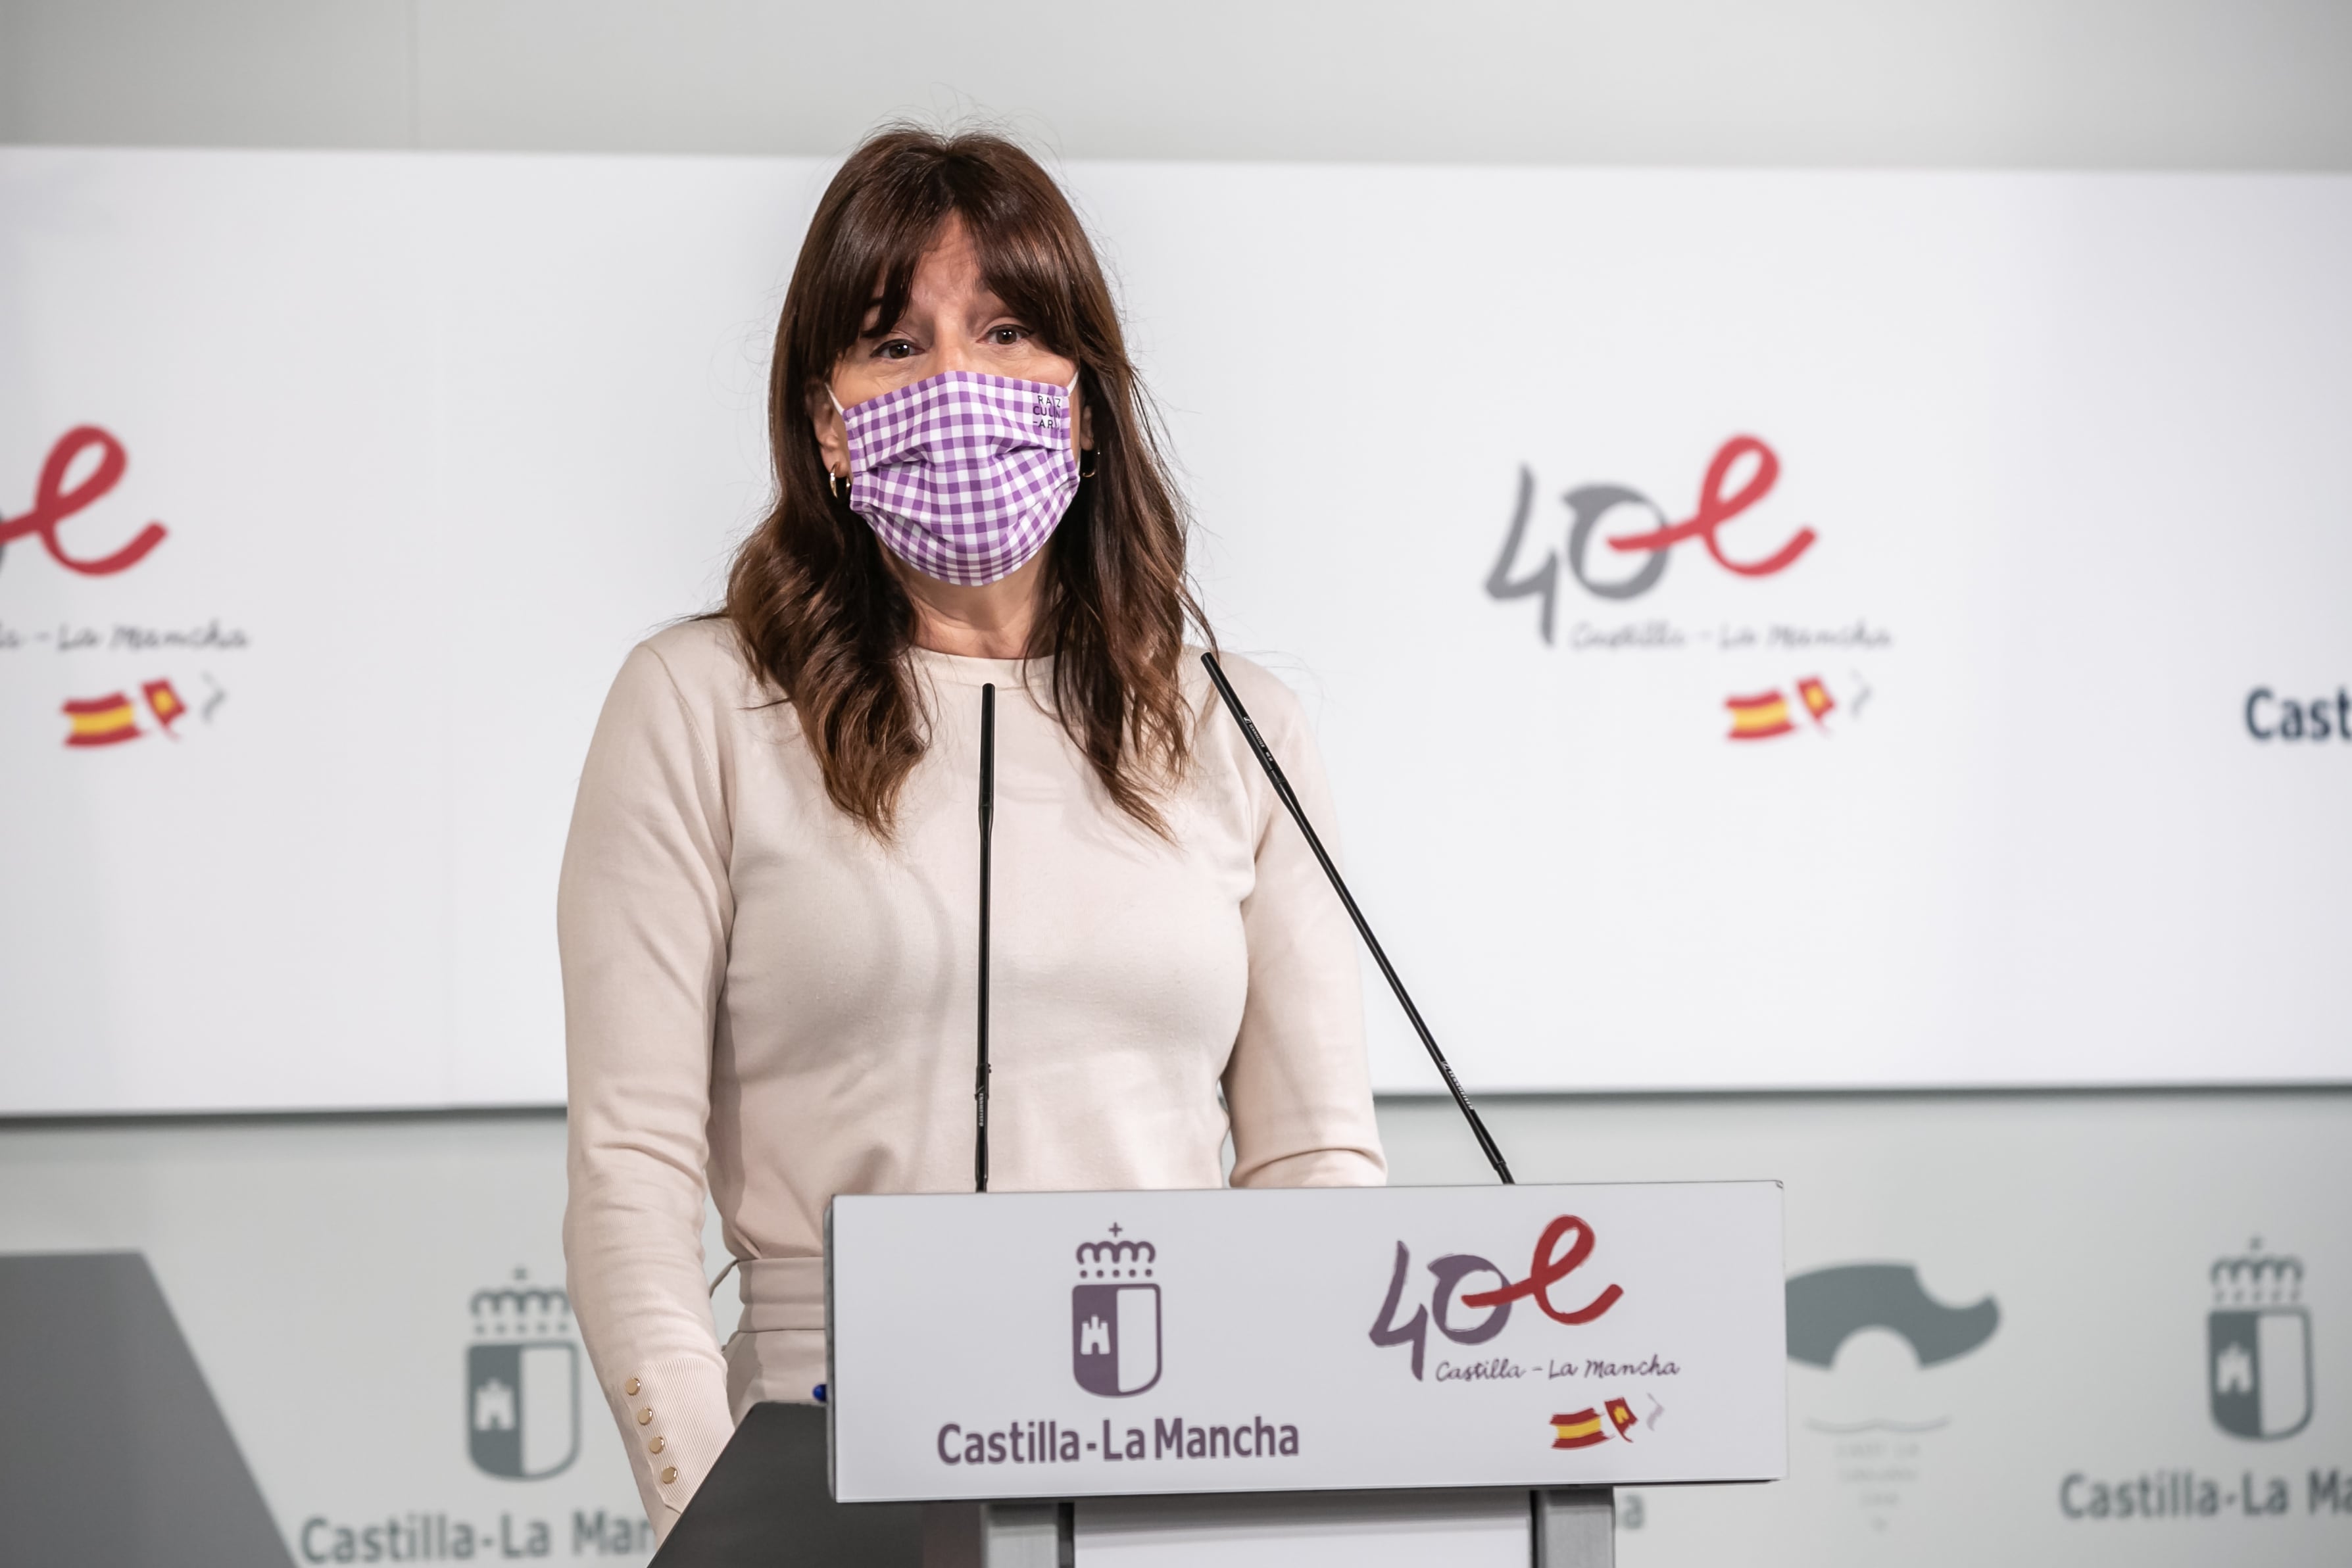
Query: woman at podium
(768, 908)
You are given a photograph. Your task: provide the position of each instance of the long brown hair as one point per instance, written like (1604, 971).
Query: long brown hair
(816, 605)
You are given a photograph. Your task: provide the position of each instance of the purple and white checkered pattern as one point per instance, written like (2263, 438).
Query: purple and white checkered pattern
(962, 475)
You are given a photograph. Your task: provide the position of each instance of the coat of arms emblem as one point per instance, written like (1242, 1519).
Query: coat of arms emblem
(522, 1382)
(1115, 1317)
(2258, 1346)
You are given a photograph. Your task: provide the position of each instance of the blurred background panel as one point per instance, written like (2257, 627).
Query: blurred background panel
(349, 1286)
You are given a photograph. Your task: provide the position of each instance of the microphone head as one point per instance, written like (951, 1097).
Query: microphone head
(987, 747)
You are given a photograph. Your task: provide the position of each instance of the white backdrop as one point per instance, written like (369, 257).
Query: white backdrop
(433, 439)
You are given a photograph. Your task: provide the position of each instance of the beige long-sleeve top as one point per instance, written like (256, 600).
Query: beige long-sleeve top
(760, 995)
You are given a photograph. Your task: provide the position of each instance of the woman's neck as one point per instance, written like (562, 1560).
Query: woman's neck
(993, 620)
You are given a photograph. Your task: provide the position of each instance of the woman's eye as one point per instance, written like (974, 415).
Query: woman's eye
(897, 348)
(1006, 337)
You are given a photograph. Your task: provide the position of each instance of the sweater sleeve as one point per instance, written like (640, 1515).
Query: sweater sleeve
(1297, 1087)
(642, 915)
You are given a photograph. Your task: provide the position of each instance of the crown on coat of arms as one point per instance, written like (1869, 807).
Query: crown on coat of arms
(2256, 1279)
(1118, 1257)
(522, 1310)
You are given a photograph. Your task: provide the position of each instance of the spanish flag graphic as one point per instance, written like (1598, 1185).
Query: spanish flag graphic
(1758, 718)
(1581, 1430)
(1818, 700)
(164, 704)
(99, 721)
(1621, 1416)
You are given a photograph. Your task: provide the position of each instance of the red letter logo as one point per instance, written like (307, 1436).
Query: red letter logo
(53, 503)
(1546, 1269)
(1715, 509)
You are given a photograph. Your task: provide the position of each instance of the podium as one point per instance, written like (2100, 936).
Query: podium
(1359, 1376)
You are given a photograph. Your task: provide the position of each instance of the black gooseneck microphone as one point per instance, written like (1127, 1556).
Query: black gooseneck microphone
(1299, 815)
(987, 830)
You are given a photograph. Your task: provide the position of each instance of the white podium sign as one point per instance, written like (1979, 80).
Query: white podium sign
(1090, 1344)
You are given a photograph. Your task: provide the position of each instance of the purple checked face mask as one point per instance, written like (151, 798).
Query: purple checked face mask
(962, 475)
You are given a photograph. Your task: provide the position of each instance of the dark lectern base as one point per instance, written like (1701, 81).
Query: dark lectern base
(765, 1505)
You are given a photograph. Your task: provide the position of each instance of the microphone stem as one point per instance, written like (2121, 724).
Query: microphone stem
(1363, 928)
(987, 831)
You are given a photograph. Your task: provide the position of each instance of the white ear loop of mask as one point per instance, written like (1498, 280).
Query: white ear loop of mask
(842, 415)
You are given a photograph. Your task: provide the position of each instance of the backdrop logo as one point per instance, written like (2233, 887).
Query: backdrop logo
(1115, 1317)
(55, 500)
(1768, 715)
(110, 720)
(1547, 1267)
(1830, 1306)
(2258, 1346)
(1589, 505)
(104, 711)
(522, 1382)
(1876, 1329)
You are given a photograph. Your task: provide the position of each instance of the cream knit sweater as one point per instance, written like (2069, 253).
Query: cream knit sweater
(760, 996)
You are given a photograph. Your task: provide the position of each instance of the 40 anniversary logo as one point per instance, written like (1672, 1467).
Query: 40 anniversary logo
(1742, 474)
(1548, 1267)
(1588, 505)
(106, 718)
(1610, 1416)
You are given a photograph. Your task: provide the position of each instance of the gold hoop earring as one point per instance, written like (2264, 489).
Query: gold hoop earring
(832, 483)
(1087, 473)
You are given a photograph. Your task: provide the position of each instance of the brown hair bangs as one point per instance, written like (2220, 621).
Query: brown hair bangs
(811, 597)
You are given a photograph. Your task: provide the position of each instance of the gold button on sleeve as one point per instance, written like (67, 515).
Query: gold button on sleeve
(645, 1416)
(669, 1474)
(630, 1387)
(657, 1446)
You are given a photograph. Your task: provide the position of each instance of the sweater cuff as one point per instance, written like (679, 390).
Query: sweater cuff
(673, 1421)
